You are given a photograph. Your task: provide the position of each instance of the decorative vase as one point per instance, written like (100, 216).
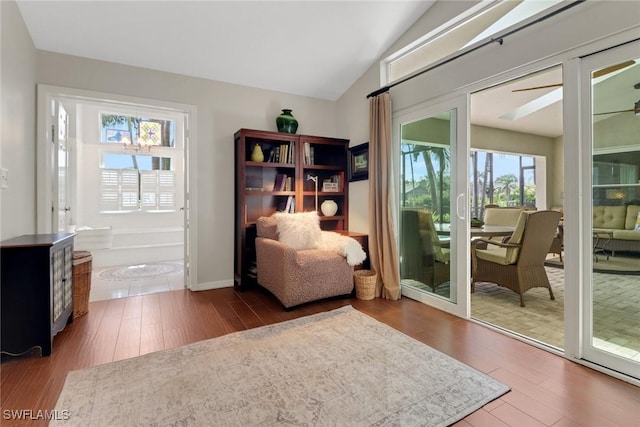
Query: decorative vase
(257, 155)
(286, 123)
(329, 208)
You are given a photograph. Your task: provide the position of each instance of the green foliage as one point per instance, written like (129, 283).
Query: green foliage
(112, 120)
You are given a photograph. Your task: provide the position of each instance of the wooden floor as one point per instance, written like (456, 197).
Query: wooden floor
(545, 389)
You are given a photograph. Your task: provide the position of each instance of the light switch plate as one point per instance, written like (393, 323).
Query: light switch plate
(4, 178)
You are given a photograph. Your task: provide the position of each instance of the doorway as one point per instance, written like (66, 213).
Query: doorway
(516, 163)
(117, 177)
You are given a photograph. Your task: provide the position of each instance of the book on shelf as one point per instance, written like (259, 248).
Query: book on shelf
(289, 203)
(292, 152)
(280, 182)
(288, 186)
(307, 153)
(286, 205)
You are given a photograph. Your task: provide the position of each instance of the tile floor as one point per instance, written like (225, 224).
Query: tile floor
(105, 289)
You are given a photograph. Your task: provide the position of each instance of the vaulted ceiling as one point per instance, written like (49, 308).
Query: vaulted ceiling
(310, 48)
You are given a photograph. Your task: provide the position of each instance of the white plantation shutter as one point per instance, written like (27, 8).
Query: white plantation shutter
(109, 190)
(166, 190)
(149, 190)
(118, 189)
(158, 190)
(129, 189)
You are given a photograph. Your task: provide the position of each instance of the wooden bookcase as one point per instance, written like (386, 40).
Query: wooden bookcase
(256, 193)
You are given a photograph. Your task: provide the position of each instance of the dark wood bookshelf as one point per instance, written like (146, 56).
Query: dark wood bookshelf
(254, 186)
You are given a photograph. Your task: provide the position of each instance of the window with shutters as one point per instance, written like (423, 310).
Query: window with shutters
(137, 170)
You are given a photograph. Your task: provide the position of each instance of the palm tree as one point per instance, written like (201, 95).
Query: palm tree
(435, 182)
(505, 184)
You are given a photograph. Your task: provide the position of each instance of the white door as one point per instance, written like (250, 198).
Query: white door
(609, 85)
(432, 142)
(62, 182)
(187, 202)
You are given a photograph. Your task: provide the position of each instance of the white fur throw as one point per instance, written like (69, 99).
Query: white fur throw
(346, 246)
(299, 230)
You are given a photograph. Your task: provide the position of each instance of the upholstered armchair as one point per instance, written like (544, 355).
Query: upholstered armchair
(297, 276)
(517, 264)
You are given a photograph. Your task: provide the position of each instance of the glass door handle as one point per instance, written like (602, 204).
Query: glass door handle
(460, 208)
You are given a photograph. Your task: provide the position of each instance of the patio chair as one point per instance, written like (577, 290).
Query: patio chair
(517, 264)
(424, 257)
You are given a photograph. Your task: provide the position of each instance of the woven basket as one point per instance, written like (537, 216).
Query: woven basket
(81, 282)
(365, 281)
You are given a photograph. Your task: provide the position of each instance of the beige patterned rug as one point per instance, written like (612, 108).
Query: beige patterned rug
(340, 367)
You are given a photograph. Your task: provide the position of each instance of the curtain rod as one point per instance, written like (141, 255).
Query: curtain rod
(499, 40)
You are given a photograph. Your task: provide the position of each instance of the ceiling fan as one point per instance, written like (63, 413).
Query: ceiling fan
(596, 74)
(635, 110)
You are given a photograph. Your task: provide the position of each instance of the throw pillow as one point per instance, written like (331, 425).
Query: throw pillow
(299, 230)
(637, 227)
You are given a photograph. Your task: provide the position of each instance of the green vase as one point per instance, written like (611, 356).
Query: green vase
(286, 123)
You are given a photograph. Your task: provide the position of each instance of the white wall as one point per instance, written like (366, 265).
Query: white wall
(17, 122)
(353, 111)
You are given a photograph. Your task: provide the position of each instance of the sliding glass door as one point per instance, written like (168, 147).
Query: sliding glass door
(610, 83)
(434, 261)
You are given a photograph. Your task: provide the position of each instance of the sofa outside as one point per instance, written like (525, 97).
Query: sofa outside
(617, 223)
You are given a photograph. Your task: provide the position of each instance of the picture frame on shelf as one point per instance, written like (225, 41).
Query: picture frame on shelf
(359, 162)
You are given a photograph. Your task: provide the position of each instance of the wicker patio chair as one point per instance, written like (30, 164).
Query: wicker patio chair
(424, 257)
(517, 264)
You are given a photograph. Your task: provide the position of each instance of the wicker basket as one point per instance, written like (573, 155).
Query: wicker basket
(365, 281)
(81, 282)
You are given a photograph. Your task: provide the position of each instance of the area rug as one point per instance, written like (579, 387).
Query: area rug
(614, 265)
(340, 367)
(140, 271)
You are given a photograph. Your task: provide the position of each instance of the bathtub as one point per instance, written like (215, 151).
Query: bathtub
(92, 238)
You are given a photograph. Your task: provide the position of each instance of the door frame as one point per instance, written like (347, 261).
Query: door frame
(45, 150)
(460, 257)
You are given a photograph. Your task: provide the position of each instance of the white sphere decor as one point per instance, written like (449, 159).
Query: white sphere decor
(329, 208)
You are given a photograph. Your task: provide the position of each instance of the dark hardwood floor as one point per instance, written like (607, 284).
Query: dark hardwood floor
(546, 389)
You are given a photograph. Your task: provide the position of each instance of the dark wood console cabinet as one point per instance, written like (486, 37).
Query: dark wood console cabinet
(36, 281)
